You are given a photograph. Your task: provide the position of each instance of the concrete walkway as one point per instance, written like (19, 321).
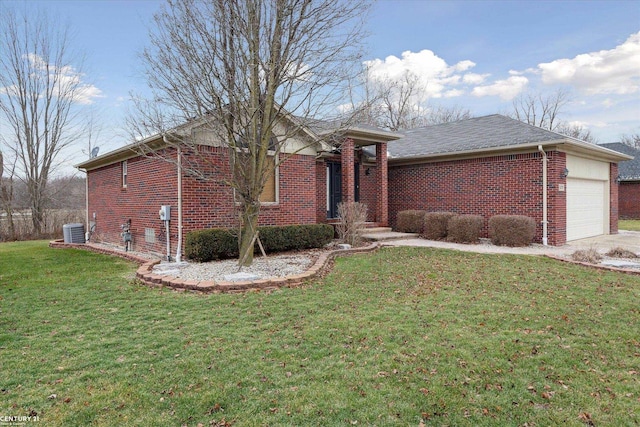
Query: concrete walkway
(629, 240)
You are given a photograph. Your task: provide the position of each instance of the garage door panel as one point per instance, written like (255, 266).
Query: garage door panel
(585, 208)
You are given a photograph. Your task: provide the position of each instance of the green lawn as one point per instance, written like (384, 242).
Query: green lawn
(629, 224)
(398, 337)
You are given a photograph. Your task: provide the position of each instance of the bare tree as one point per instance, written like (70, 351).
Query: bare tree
(544, 111)
(632, 140)
(442, 114)
(539, 109)
(243, 68)
(39, 86)
(6, 199)
(400, 103)
(576, 131)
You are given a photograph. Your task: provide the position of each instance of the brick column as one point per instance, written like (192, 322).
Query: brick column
(614, 212)
(382, 198)
(348, 173)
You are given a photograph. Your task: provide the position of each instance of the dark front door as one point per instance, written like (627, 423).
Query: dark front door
(334, 188)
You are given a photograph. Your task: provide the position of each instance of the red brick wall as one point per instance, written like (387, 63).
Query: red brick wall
(556, 199)
(321, 191)
(510, 185)
(150, 184)
(382, 205)
(614, 212)
(207, 202)
(368, 190)
(347, 158)
(629, 200)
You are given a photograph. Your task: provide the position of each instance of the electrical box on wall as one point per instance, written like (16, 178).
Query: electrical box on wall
(165, 213)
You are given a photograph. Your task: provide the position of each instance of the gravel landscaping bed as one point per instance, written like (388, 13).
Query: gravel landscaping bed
(262, 268)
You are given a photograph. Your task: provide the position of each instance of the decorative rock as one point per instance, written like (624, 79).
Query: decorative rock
(344, 246)
(241, 277)
(620, 263)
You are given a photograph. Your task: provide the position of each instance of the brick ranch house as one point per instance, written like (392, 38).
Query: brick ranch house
(629, 179)
(487, 165)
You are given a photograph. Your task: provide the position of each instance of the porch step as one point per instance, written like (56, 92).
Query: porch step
(371, 230)
(385, 234)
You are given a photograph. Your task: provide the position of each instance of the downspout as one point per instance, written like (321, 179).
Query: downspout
(179, 162)
(545, 161)
(179, 248)
(87, 234)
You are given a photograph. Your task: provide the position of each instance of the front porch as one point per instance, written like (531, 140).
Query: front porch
(353, 173)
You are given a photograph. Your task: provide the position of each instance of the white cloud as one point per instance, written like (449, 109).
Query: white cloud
(453, 93)
(433, 72)
(463, 65)
(85, 94)
(68, 81)
(474, 79)
(506, 89)
(608, 103)
(615, 71)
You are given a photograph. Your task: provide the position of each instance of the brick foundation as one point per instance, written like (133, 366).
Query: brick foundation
(629, 200)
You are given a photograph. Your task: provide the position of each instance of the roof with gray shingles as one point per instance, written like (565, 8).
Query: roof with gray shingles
(628, 170)
(494, 131)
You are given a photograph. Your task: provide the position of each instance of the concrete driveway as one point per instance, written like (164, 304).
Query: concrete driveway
(629, 240)
(626, 239)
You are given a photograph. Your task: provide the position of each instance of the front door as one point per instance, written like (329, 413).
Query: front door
(334, 188)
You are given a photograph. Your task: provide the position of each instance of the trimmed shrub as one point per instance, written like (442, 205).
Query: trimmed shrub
(295, 237)
(219, 243)
(512, 230)
(435, 225)
(464, 228)
(411, 221)
(211, 244)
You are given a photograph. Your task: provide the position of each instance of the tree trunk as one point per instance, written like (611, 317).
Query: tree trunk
(37, 219)
(249, 219)
(8, 209)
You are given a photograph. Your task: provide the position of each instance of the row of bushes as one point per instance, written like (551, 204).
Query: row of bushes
(222, 243)
(504, 230)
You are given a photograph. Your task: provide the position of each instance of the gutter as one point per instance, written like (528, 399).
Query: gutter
(545, 161)
(564, 145)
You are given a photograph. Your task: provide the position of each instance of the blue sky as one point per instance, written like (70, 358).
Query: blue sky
(473, 54)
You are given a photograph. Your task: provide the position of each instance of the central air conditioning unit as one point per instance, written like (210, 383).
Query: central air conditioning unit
(73, 233)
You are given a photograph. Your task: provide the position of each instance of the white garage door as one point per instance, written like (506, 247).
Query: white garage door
(585, 208)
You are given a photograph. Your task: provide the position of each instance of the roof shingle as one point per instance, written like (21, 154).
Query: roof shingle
(628, 170)
(494, 131)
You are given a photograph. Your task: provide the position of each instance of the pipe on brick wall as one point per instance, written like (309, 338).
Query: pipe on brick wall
(179, 167)
(545, 161)
(179, 248)
(87, 235)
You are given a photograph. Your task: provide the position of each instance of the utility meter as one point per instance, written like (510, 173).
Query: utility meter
(165, 213)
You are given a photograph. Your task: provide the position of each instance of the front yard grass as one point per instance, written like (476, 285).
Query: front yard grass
(403, 336)
(629, 224)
